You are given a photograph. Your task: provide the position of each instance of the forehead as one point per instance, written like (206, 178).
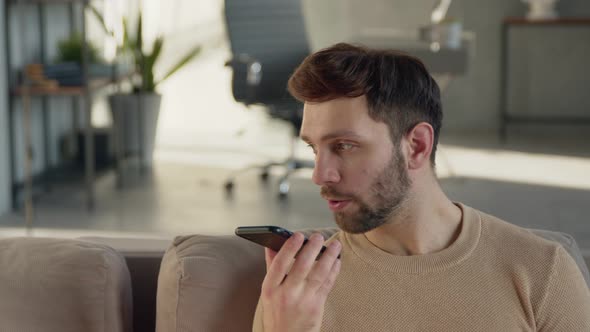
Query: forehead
(344, 115)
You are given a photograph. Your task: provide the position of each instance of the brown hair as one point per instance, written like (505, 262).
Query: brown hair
(399, 90)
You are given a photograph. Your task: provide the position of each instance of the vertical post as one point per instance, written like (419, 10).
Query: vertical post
(71, 17)
(13, 187)
(89, 134)
(74, 145)
(504, 82)
(117, 111)
(140, 135)
(26, 98)
(11, 83)
(75, 100)
(44, 100)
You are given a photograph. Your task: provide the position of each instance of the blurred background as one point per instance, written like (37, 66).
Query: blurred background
(134, 118)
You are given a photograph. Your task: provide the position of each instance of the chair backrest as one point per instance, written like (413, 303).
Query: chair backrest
(272, 32)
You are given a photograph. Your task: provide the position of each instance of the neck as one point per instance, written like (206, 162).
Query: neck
(428, 222)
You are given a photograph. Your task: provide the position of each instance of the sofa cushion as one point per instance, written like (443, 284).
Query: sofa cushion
(210, 283)
(63, 285)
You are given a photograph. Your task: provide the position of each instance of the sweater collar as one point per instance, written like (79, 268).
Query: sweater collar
(454, 254)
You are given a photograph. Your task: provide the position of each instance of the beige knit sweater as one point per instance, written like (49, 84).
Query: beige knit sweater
(494, 277)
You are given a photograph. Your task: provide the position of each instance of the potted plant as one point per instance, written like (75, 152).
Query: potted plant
(142, 106)
(67, 67)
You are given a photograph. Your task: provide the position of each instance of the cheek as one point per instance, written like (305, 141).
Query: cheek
(360, 171)
(358, 179)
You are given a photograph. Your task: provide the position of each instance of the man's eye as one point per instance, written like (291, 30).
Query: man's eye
(344, 146)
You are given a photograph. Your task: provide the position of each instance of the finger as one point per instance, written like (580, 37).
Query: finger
(322, 269)
(331, 280)
(281, 263)
(305, 259)
(269, 255)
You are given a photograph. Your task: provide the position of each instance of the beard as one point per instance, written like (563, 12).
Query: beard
(388, 192)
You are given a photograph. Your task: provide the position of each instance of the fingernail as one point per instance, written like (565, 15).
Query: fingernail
(317, 236)
(298, 236)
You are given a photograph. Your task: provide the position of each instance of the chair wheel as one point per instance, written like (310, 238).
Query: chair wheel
(283, 188)
(229, 186)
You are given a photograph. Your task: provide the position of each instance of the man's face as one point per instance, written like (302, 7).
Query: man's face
(361, 173)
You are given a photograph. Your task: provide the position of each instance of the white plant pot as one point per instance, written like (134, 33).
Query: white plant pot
(445, 34)
(128, 112)
(541, 9)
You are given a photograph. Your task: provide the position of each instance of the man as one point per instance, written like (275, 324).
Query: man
(411, 260)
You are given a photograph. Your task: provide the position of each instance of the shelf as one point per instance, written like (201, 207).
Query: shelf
(35, 2)
(94, 84)
(555, 21)
(65, 174)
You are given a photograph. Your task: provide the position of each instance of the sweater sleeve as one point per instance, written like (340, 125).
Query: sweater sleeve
(257, 325)
(565, 305)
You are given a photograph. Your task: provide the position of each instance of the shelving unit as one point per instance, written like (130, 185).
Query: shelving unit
(25, 92)
(511, 25)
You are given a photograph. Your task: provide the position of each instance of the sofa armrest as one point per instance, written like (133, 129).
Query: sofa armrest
(569, 244)
(49, 284)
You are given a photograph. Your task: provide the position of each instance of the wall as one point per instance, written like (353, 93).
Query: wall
(472, 101)
(554, 88)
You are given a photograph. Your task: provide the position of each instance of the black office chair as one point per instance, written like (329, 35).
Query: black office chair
(268, 41)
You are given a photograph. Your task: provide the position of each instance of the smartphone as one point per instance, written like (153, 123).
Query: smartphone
(272, 237)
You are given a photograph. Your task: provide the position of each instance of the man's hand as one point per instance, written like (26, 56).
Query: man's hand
(294, 291)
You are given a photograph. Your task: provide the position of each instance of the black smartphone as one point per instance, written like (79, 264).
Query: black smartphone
(272, 237)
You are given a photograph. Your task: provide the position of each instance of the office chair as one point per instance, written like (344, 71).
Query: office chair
(268, 41)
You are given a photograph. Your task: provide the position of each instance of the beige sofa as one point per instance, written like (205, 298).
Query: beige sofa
(191, 283)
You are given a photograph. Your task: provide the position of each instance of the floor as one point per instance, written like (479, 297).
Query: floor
(541, 182)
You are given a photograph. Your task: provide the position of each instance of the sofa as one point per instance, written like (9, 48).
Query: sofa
(189, 283)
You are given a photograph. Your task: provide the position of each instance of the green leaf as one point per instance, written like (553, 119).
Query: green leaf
(139, 55)
(186, 59)
(100, 19)
(144, 62)
(139, 33)
(157, 49)
(128, 43)
(149, 64)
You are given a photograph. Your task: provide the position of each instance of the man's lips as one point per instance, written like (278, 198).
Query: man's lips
(337, 205)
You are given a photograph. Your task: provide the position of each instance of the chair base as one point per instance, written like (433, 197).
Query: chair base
(291, 165)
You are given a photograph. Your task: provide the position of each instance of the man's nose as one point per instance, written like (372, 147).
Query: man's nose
(325, 171)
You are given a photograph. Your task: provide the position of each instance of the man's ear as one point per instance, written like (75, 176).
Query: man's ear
(420, 140)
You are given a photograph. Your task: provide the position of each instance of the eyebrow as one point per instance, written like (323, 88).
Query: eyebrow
(336, 134)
